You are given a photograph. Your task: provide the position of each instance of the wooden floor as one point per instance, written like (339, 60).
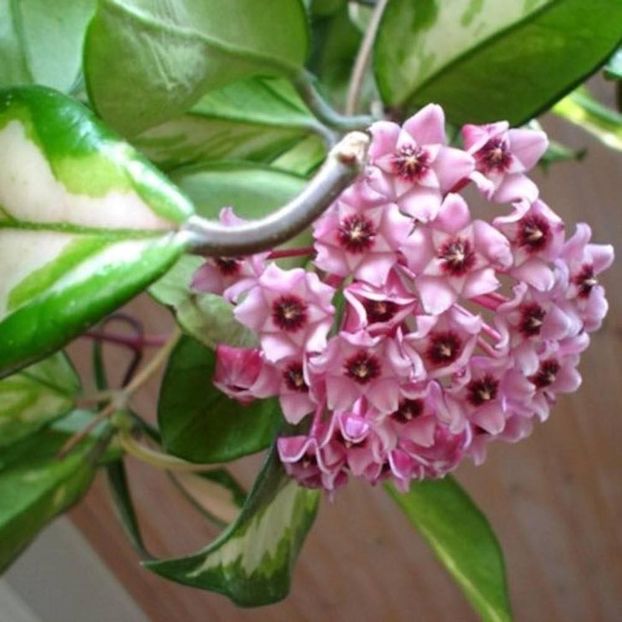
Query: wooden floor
(555, 500)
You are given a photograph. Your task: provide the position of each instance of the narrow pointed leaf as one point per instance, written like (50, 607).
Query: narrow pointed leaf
(488, 60)
(200, 423)
(41, 41)
(85, 223)
(35, 397)
(252, 561)
(256, 119)
(463, 541)
(148, 62)
(35, 486)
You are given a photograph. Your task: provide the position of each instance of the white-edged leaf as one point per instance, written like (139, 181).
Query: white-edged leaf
(251, 562)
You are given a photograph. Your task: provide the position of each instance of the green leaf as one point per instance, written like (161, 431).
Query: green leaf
(148, 62)
(255, 119)
(251, 562)
(602, 122)
(85, 223)
(303, 158)
(35, 486)
(253, 191)
(557, 152)
(206, 317)
(463, 541)
(35, 397)
(613, 68)
(201, 424)
(216, 494)
(485, 60)
(41, 41)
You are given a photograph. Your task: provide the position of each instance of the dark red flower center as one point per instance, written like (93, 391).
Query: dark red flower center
(362, 367)
(531, 318)
(294, 378)
(494, 156)
(482, 390)
(457, 256)
(289, 312)
(585, 281)
(379, 310)
(411, 163)
(534, 233)
(228, 266)
(408, 410)
(356, 233)
(443, 348)
(546, 374)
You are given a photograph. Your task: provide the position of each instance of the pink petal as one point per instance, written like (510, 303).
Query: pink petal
(435, 293)
(427, 127)
(452, 166)
(528, 146)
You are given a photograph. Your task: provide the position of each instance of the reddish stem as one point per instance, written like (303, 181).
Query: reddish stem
(292, 252)
(490, 301)
(129, 341)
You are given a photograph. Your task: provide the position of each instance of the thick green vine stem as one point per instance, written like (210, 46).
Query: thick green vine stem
(344, 162)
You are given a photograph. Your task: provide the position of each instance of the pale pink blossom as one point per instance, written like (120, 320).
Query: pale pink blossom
(502, 156)
(291, 311)
(455, 257)
(416, 162)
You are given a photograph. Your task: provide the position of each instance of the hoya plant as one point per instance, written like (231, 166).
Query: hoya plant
(334, 200)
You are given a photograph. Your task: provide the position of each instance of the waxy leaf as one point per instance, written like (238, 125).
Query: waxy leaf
(85, 223)
(148, 62)
(255, 119)
(252, 561)
(35, 397)
(36, 486)
(253, 191)
(463, 541)
(201, 424)
(41, 41)
(485, 60)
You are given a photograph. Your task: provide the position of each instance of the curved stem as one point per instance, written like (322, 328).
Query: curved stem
(305, 85)
(156, 458)
(344, 162)
(362, 58)
(129, 341)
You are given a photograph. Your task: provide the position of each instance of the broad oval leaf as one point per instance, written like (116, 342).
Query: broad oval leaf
(41, 41)
(253, 191)
(485, 60)
(35, 397)
(201, 424)
(251, 562)
(148, 62)
(256, 119)
(85, 223)
(35, 486)
(463, 541)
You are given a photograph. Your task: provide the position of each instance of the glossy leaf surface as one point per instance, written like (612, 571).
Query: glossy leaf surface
(484, 60)
(200, 423)
(463, 541)
(35, 486)
(36, 396)
(148, 62)
(85, 223)
(255, 119)
(251, 562)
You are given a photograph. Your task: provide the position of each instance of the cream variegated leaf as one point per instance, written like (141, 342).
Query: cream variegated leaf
(85, 222)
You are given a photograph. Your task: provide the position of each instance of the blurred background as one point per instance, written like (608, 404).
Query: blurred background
(555, 500)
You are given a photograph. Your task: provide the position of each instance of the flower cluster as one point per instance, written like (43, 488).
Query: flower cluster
(417, 333)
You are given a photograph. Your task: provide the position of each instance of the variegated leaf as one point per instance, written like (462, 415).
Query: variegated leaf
(85, 223)
(36, 486)
(36, 396)
(251, 562)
